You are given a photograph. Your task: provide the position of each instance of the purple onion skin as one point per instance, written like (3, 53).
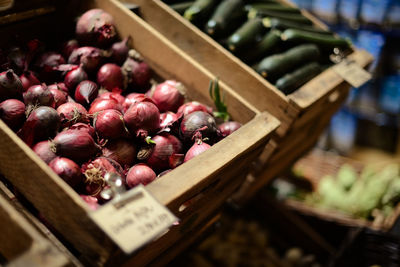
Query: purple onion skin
(28, 79)
(142, 118)
(86, 92)
(68, 47)
(109, 123)
(193, 106)
(43, 150)
(196, 121)
(167, 96)
(73, 78)
(120, 150)
(228, 127)
(90, 58)
(68, 170)
(91, 201)
(12, 112)
(76, 145)
(10, 85)
(43, 123)
(139, 174)
(197, 148)
(80, 126)
(119, 51)
(110, 77)
(138, 74)
(166, 146)
(95, 27)
(39, 95)
(60, 97)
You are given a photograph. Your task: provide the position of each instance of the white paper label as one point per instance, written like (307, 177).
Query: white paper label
(352, 73)
(133, 220)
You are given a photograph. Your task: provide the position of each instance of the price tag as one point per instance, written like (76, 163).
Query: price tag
(134, 219)
(352, 73)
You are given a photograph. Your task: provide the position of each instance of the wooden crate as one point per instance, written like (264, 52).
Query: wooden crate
(301, 107)
(210, 178)
(318, 164)
(24, 241)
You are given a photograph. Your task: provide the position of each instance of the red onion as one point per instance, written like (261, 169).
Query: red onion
(102, 104)
(139, 174)
(142, 118)
(167, 119)
(135, 97)
(10, 85)
(91, 201)
(46, 63)
(95, 171)
(68, 170)
(42, 123)
(39, 95)
(198, 147)
(86, 92)
(12, 112)
(198, 121)
(110, 76)
(74, 77)
(68, 47)
(120, 150)
(43, 150)
(168, 96)
(166, 145)
(59, 86)
(119, 51)
(28, 79)
(96, 27)
(62, 70)
(229, 127)
(193, 106)
(17, 58)
(76, 145)
(60, 97)
(83, 127)
(109, 123)
(138, 73)
(90, 58)
(71, 113)
(113, 95)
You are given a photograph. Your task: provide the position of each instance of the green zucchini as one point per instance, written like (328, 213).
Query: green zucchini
(181, 7)
(282, 25)
(298, 18)
(266, 46)
(273, 7)
(292, 81)
(228, 16)
(322, 40)
(246, 34)
(273, 67)
(200, 11)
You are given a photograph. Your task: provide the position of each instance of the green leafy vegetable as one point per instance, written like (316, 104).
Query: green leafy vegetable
(222, 109)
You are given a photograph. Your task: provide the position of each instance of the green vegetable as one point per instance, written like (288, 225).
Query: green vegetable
(293, 80)
(228, 15)
(246, 34)
(263, 48)
(273, 7)
(346, 176)
(322, 40)
(222, 109)
(282, 25)
(273, 67)
(181, 7)
(298, 18)
(199, 11)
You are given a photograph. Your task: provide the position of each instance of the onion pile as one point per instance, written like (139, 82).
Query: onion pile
(83, 111)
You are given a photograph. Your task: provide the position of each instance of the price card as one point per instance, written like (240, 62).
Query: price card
(352, 73)
(134, 219)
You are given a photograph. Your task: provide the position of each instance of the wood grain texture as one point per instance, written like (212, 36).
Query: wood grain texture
(22, 244)
(69, 214)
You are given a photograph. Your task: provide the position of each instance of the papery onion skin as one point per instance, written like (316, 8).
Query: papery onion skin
(196, 121)
(100, 104)
(193, 106)
(10, 85)
(43, 150)
(91, 201)
(122, 151)
(168, 96)
(86, 92)
(119, 51)
(80, 126)
(59, 96)
(198, 147)
(89, 57)
(96, 27)
(142, 118)
(139, 174)
(166, 145)
(68, 47)
(138, 74)
(68, 170)
(71, 113)
(42, 123)
(135, 97)
(228, 127)
(39, 95)
(112, 95)
(167, 119)
(110, 77)
(73, 78)
(12, 112)
(76, 145)
(28, 79)
(109, 123)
